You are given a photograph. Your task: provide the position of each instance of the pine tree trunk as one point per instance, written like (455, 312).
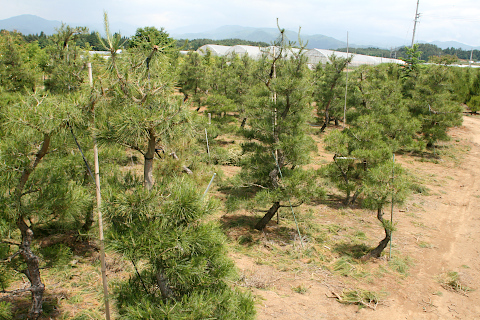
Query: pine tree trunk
(162, 283)
(244, 121)
(355, 196)
(377, 252)
(148, 166)
(32, 272)
(268, 216)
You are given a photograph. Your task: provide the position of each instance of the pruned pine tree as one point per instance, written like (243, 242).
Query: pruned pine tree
(377, 96)
(433, 105)
(192, 77)
(66, 62)
(382, 185)
(473, 96)
(142, 110)
(182, 269)
(329, 89)
(357, 150)
(38, 182)
(278, 110)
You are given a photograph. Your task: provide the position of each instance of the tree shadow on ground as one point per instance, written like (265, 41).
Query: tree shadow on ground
(353, 250)
(237, 221)
(337, 202)
(21, 305)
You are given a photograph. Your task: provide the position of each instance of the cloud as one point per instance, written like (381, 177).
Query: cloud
(439, 20)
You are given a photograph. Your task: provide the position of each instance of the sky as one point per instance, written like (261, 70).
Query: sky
(440, 20)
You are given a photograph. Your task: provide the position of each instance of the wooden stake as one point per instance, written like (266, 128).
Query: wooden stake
(346, 88)
(100, 218)
(391, 212)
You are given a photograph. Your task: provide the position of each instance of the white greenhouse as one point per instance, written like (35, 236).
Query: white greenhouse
(253, 52)
(316, 56)
(215, 49)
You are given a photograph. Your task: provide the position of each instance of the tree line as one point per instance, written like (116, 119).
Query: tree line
(146, 107)
(428, 51)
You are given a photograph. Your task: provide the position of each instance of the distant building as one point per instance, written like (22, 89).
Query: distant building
(314, 56)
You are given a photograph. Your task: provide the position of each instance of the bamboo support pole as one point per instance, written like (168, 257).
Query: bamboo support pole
(100, 217)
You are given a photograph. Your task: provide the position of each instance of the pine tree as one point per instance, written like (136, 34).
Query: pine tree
(184, 269)
(142, 111)
(16, 73)
(278, 109)
(36, 184)
(330, 89)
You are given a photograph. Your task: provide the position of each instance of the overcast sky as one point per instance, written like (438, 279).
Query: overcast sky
(457, 20)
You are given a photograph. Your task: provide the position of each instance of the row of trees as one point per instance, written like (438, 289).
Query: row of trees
(50, 117)
(389, 109)
(429, 52)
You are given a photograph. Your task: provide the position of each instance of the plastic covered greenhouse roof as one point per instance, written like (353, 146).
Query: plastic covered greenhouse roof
(253, 52)
(215, 49)
(316, 56)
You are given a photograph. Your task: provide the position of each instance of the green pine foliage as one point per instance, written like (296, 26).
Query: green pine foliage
(17, 70)
(330, 89)
(184, 269)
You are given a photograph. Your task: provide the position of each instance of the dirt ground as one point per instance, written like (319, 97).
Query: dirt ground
(438, 232)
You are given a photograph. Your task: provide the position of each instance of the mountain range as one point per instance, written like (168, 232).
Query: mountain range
(31, 24)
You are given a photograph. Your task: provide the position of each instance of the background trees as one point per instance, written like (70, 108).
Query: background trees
(329, 91)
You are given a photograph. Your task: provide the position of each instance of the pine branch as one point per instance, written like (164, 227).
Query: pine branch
(17, 291)
(8, 259)
(13, 243)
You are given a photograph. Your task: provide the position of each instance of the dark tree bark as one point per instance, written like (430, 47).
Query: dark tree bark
(268, 216)
(162, 283)
(244, 121)
(32, 272)
(376, 253)
(355, 196)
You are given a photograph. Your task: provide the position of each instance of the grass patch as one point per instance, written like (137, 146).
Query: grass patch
(400, 264)
(425, 245)
(302, 289)
(451, 281)
(363, 298)
(348, 267)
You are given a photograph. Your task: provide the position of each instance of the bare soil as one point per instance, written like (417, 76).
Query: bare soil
(436, 238)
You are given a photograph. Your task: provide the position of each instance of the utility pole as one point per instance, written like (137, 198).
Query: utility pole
(417, 16)
(471, 59)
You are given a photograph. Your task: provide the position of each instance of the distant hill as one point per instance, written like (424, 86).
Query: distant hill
(453, 44)
(29, 24)
(267, 35)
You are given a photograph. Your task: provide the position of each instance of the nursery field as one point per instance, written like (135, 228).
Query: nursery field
(433, 272)
(226, 187)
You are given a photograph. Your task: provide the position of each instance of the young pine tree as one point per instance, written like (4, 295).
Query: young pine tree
(278, 110)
